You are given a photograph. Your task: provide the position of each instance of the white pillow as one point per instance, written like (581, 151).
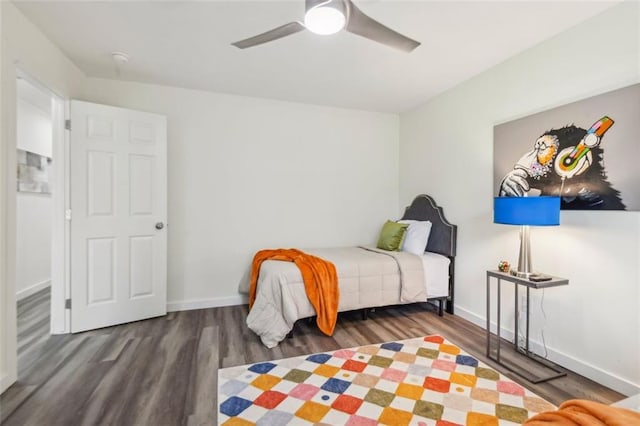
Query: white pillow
(416, 237)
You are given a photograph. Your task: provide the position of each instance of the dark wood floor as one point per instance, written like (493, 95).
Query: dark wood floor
(163, 371)
(33, 320)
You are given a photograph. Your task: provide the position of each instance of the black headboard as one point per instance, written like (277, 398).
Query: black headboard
(442, 239)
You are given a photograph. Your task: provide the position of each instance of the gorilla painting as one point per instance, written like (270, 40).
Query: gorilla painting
(567, 162)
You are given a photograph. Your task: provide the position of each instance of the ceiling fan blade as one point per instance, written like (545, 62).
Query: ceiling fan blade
(274, 34)
(364, 26)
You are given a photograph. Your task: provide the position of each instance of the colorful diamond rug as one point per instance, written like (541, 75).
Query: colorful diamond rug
(423, 381)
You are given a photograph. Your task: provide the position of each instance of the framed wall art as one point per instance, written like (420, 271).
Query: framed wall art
(587, 152)
(33, 172)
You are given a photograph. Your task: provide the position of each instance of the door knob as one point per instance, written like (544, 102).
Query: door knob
(159, 225)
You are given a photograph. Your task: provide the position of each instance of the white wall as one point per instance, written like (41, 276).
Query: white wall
(33, 214)
(247, 174)
(592, 326)
(34, 128)
(33, 251)
(24, 47)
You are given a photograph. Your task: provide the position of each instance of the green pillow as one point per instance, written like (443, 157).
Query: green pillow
(392, 235)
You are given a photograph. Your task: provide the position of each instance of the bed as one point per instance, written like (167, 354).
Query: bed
(367, 277)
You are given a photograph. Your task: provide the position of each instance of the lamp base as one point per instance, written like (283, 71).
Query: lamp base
(520, 274)
(524, 258)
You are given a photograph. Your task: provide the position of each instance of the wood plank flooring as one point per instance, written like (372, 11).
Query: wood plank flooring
(163, 371)
(33, 320)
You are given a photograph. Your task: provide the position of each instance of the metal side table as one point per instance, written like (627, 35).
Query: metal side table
(517, 282)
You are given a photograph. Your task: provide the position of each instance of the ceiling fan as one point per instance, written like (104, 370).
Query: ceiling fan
(330, 16)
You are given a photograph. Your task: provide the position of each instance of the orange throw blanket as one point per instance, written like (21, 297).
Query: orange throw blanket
(580, 412)
(320, 283)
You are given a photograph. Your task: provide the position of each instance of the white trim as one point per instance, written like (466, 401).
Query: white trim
(8, 326)
(188, 305)
(60, 228)
(482, 322)
(592, 372)
(5, 381)
(26, 292)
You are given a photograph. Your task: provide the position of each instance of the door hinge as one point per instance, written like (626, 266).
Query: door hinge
(67, 214)
(67, 304)
(67, 124)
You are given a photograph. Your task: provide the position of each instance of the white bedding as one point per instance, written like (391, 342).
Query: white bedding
(436, 274)
(366, 277)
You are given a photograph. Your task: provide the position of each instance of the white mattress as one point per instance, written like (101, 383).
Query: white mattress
(436, 267)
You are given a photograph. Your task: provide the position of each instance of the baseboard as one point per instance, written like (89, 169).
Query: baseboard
(577, 366)
(26, 292)
(189, 305)
(5, 382)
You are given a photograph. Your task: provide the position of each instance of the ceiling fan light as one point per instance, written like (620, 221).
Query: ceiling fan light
(324, 20)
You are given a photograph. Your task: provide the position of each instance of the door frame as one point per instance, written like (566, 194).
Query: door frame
(60, 284)
(60, 226)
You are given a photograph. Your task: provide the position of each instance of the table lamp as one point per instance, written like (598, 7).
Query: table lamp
(526, 211)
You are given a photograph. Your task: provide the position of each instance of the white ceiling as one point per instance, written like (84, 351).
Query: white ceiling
(187, 44)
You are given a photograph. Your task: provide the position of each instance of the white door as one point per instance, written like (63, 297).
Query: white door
(118, 190)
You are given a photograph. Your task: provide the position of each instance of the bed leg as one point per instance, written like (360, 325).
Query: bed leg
(450, 307)
(452, 270)
(440, 307)
(365, 314)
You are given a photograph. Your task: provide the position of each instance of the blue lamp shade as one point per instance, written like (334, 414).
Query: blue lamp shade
(537, 211)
